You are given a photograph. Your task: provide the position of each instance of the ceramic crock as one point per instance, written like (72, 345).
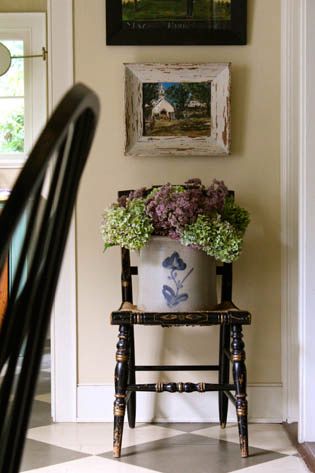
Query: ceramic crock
(175, 278)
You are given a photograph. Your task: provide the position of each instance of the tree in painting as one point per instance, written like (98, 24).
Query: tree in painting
(178, 94)
(165, 10)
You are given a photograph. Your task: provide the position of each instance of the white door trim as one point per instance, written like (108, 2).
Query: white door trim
(307, 224)
(63, 326)
(290, 58)
(298, 214)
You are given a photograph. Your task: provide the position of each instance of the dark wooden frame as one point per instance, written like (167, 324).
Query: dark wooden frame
(231, 349)
(118, 34)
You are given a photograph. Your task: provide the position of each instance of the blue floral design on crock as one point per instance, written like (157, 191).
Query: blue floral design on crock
(174, 263)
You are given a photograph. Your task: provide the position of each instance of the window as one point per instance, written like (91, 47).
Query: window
(23, 88)
(12, 102)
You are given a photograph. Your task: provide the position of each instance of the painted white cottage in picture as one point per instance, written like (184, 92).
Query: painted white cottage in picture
(163, 109)
(193, 104)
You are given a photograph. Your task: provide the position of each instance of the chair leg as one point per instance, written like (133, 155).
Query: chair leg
(239, 375)
(121, 377)
(224, 372)
(131, 404)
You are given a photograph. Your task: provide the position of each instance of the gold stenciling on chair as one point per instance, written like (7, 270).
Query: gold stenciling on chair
(201, 387)
(159, 387)
(121, 357)
(244, 446)
(119, 411)
(238, 356)
(242, 411)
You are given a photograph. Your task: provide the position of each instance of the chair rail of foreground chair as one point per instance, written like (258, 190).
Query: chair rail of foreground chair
(45, 190)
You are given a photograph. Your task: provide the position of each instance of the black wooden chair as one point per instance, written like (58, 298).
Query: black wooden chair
(231, 349)
(46, 190)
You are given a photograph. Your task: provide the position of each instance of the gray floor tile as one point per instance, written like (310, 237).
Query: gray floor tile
(41, 414)
(192, 453)
(39, 454)
(43, 384)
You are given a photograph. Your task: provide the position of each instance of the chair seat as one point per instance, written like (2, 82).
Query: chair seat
(225, 313)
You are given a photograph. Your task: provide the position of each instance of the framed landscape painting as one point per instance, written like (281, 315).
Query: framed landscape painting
(177, 22)
(177, 109)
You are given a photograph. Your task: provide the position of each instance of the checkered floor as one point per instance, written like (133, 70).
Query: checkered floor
(165, 448)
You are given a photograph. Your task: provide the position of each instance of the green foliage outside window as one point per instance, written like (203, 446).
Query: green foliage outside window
(12, 133)
(12, 102)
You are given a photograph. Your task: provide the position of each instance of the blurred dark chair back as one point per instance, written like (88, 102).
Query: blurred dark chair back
(45, 192)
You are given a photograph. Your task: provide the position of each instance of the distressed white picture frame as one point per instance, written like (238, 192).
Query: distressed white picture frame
(219, 140)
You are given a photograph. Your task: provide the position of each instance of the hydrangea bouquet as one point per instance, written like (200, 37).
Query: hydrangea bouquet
(200, 217)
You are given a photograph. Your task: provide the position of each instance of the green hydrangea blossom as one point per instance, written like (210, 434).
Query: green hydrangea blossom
(217, 237)
(128, 227)
(235, 215)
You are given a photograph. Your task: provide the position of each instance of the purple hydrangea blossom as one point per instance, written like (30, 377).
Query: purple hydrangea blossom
(171, 210)
(137, 194)
(216, 194)
(195, 182)
(122, 201)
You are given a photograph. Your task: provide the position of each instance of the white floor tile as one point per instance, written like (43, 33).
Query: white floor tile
(43, 397)
(46, 362)
(91, 465)
(265, 436)
(96, 438)
(282, 465)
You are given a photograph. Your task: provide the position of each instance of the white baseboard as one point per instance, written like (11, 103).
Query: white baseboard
(95, 404)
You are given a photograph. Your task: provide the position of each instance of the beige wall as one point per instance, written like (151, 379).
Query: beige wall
(252, 170)
(8, 177)
(23, 5)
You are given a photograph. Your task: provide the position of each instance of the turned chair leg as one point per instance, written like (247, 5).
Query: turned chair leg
(121, 378)
(224, 372)
(239, 375)
(131, 403)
